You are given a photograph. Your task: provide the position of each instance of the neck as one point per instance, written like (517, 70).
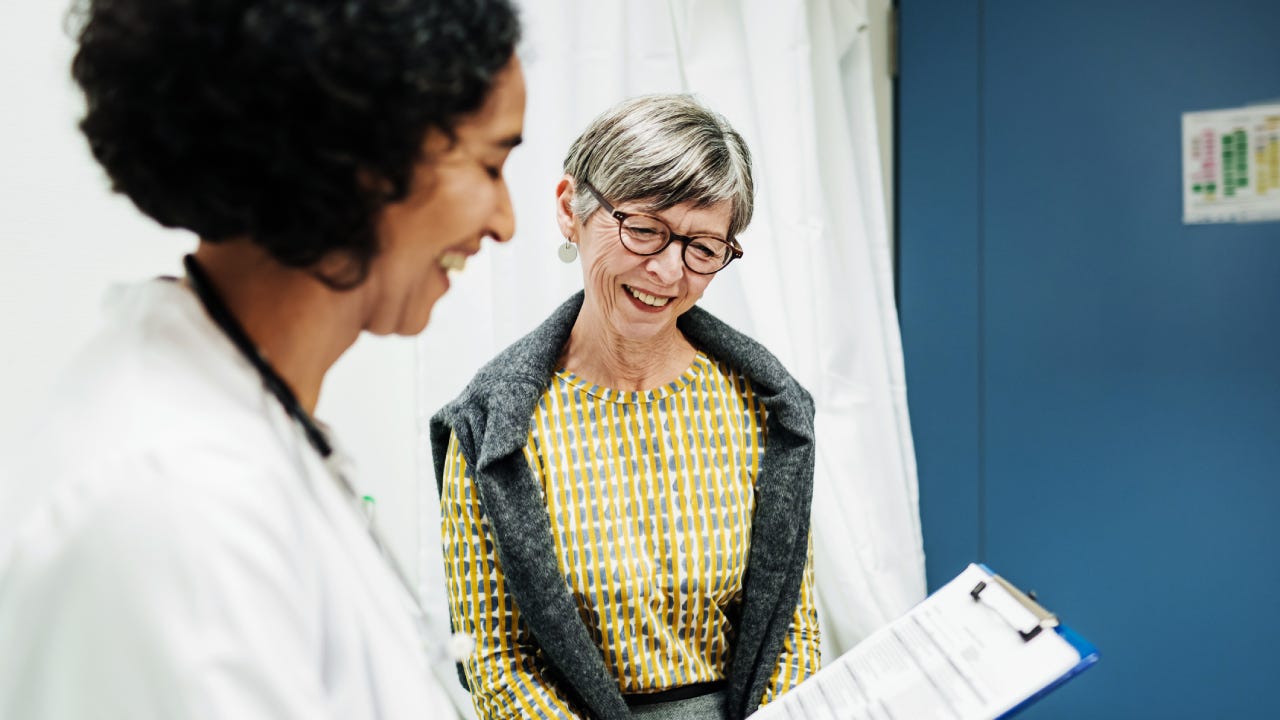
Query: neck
(299, 325)
(601, 356)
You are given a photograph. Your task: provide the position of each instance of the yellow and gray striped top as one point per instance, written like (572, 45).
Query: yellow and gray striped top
(651, 497)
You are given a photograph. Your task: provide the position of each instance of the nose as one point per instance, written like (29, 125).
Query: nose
(668, 265)
(502, 224)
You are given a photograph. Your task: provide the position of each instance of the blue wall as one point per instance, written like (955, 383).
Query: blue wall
(1094, 386)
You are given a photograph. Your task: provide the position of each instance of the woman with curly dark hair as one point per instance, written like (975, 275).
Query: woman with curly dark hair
(189, 544)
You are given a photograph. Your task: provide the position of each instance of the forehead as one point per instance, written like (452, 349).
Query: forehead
(688, 217)
(500, 119)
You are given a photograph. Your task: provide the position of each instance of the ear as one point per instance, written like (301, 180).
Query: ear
(565, 217)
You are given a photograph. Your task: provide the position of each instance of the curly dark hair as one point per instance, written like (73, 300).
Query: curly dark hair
(292, 122)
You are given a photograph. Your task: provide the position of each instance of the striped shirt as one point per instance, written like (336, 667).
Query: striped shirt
(651, 497)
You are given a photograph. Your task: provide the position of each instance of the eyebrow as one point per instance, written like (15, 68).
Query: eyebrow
(509, 142)
(724, 237)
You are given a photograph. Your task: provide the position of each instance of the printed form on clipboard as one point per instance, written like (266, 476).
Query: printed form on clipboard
(977, 649)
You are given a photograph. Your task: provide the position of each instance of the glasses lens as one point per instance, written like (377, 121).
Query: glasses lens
(707, 254)
(644, 235)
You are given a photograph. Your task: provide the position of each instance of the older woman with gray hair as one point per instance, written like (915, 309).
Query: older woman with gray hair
(626, 490)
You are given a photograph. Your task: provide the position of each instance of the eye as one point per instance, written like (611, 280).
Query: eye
(704, 249)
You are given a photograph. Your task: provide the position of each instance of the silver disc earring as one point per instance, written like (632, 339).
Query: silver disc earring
(568, 252)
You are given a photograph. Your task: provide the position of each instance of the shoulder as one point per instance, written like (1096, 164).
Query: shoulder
(157, 357)
(777, 387)
(155, 398)
(533, 357)
(498, 402)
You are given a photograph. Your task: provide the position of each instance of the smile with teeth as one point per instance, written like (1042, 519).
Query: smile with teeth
(453, 261)
(646, 298)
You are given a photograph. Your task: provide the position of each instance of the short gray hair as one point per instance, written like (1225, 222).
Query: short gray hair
(665, 150)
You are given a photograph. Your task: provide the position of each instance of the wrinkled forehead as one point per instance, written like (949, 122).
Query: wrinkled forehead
(690, 217)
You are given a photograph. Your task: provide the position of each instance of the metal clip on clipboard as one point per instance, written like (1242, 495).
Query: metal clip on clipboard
(1021, 612)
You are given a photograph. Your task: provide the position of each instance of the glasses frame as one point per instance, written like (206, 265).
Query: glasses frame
(735, 250)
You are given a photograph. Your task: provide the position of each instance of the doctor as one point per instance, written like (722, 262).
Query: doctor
(183, 542)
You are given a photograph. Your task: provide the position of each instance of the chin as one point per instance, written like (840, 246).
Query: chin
(411, 321)
(416, 326)
(417, 316)
(417, 329)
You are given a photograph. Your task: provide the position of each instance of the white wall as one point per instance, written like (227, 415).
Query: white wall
(64, 239)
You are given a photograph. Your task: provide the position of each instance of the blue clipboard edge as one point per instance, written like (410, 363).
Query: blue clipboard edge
(1088, 658)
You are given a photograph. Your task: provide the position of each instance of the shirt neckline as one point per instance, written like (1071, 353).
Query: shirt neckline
(637, 397)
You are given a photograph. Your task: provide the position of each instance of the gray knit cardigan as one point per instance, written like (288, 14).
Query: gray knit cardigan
(491, 421)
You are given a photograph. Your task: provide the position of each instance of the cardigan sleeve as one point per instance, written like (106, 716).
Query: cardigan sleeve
(505, 679)
(800, 655)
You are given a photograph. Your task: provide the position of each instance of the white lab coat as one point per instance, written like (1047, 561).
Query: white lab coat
(171, 547)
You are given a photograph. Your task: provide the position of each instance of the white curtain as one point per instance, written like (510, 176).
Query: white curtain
(816, 283)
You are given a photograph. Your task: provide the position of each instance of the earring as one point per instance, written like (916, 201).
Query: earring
(568, 252)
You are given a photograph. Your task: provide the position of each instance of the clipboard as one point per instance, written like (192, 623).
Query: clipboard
(976, 649)
(1044, 620)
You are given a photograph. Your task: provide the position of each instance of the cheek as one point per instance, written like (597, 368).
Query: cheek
(432, 227)
(456, 206)
(608, 262)
(597, 273)
(432, 217)
(401, 225)
(594, 255)
(410, 246)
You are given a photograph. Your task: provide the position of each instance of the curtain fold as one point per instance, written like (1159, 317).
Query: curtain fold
(816, 283)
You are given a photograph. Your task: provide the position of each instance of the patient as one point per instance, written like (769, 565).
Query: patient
(626, 490)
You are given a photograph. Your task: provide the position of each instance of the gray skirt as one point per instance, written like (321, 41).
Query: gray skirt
(702, 707)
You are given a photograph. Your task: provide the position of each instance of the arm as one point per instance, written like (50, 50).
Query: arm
(505, 679)
(800, 656)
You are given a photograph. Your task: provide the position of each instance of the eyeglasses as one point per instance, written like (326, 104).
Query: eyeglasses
(648, 235)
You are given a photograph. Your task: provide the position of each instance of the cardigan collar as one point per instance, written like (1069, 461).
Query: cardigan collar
(491, 421)
(518, 376)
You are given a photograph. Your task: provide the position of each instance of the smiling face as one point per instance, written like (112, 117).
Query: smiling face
(639, 298)
(457, 198)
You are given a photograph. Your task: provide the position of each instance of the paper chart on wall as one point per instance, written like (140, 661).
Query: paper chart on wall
(1231, 165)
